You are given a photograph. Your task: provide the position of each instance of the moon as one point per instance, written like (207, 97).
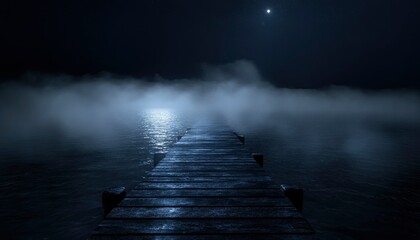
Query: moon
(268, 11)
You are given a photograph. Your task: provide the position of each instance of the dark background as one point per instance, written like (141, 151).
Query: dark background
(301, 44)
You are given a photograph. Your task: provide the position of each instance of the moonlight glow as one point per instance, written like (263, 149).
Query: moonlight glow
(268, 11)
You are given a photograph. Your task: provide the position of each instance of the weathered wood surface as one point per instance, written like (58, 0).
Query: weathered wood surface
(207, 187)
(298, 236)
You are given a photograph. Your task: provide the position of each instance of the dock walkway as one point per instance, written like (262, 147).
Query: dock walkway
(207, 187)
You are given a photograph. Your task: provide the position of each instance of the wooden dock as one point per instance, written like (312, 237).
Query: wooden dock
(207, 187)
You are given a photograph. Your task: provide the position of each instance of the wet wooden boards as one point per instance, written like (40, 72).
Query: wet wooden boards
(207, 187)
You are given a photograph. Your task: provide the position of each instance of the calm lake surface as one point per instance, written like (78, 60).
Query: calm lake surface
(361, 177)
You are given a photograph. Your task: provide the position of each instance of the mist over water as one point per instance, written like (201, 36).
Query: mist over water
(64, 139)
(93, 107)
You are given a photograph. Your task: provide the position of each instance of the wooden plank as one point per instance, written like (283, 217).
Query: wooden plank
(207, 160)
(212, 163)
(206, 193)
(212, 153)
(203, 212)
(211, 156)
(207, 168)
(206, 174)
(205, 202)
(208, 144)
(210, 179)
(207, 185)
(260, 236)
(186, 140)
(205, 226)
(210, 135)
(208, 151)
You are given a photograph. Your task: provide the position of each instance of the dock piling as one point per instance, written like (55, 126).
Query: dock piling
(157, 157)
(111, 198)
(295, 195)
(240, 137)
(259, 158)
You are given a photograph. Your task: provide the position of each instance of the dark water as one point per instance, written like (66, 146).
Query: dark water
(51, 187)
(361, 177)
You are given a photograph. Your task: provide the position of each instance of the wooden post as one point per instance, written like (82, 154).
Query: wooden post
(295, 195)
(111, 198)
(157, 157)
(240, 137)
(259, 157)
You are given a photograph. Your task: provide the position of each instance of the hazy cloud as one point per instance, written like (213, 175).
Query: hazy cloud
(93, 106)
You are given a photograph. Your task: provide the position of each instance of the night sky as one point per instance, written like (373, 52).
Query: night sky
(300, 44)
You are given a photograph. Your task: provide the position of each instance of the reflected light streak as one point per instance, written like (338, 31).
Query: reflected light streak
(159, 123)
(160, 116)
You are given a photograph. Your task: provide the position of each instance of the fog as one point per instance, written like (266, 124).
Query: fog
(99, 105)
